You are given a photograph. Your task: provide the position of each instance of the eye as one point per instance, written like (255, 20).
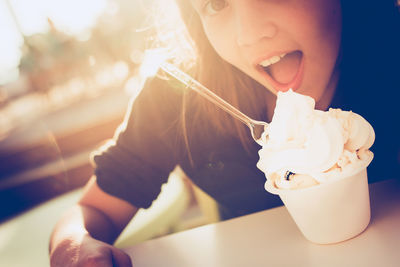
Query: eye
(212, 7)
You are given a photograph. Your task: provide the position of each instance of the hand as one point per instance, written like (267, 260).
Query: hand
(88, 252)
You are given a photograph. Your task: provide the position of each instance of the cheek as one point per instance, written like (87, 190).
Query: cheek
(316, 19)
(319, 33)
(327, 23)
(222, 42)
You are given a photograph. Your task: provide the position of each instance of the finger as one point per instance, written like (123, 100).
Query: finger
(93, 261)
(120, 258)
(101, 258)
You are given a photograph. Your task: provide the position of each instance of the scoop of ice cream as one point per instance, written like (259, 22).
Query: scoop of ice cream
(311, 143)
(300, 139)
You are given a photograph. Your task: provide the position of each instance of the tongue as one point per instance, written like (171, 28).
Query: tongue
(285, 70)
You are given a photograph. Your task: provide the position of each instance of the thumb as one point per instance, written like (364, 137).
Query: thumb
(120, 258)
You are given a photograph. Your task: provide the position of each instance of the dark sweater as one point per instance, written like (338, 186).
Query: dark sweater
(150, 145)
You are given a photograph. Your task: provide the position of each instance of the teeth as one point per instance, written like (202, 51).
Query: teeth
(272, 60)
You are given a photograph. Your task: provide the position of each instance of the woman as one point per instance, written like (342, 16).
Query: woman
(247, 51)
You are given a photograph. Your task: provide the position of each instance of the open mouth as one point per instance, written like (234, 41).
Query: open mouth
(283, 70)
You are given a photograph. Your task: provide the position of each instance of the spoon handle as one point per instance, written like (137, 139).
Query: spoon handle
(205, 92)
(256, 127)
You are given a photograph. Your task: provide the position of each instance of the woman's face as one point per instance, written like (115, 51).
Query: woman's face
(282, 44)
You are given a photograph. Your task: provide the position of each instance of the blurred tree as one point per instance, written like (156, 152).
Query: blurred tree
(53, 58)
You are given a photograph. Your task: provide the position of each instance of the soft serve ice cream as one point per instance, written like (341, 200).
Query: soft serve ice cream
(316, 162)
(304, 147)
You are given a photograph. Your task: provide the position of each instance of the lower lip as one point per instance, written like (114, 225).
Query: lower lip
(283, 87)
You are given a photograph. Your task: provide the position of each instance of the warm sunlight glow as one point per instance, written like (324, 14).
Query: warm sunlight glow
(9, 51)
(73, 17)
(120, 70)
(134, 85)
(151, 62)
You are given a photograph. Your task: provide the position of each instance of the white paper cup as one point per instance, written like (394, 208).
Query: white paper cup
(331, 212)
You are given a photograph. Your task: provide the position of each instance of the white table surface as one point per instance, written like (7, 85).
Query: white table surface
(271, 238)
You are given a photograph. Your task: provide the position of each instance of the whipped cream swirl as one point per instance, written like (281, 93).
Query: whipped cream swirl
(312, 144)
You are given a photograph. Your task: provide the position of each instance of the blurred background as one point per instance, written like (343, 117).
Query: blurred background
(68, 70)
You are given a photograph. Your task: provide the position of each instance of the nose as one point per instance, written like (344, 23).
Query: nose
(252, 23)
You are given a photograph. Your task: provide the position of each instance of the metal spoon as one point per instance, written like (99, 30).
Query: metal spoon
(257, 128)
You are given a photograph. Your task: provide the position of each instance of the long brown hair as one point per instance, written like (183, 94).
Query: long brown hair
(210, 69)
(223, 78)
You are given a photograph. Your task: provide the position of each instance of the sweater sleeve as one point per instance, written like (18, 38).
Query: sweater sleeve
(145, 148)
